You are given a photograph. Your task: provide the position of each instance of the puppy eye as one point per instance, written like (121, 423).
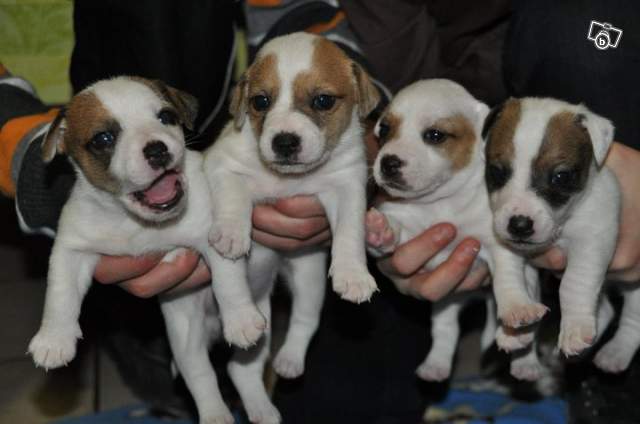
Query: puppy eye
(434, 136)
(168, 117)
(383, 131)
(323, 102)
(562, 178)
(102, 140)
(496, 176)
(260, 102)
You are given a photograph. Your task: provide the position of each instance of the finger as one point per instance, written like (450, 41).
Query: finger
(412, 255)
(200, 276)
(475, 279)
(300, 207)
(268, 219)
(114, 269)
(287, 243)
(553, 259)
(442, 280)
(163, 276)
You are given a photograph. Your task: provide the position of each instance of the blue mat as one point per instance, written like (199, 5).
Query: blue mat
(136, 414)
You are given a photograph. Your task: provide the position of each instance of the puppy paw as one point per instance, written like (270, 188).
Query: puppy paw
(354, 286)
(243, 327)
(53, 349)
(576, 334)
(288, 364)
(380, 238)
(231, 238)
(526, 370)
(431, 370)
(613, 357)
(219, 417)
(510, 339)
(520, 315)
(263, 413)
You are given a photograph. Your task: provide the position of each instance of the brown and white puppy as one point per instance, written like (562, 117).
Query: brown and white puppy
(139, 190)
(296, 130)
(431, 160)
(548, 187)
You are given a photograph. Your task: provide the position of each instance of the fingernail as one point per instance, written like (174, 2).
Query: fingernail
(443, 233)
(471, 250)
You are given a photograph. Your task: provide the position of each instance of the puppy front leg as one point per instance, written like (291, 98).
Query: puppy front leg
(382, 233)
(515, 306)
(230, 232)
(242, 322)
(69, 278)
(345, 210)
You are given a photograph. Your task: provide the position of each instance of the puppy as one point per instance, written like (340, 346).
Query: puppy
(296, 130)
(139, 190)
(548, 187)
(431, 161)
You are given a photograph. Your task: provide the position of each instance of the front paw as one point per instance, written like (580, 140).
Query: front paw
(614, 357)
(231, 238)
(380, 237)
(354, 286)
(243, 326)
(576, 334)
(53, 349)
(520, 315)
(510, 339)
(433, 370)
(527, 370)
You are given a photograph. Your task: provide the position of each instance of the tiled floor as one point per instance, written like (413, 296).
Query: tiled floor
(27, 394)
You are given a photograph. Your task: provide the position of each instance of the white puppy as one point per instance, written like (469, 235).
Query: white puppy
(296, 130)
(431, 161)
(138, 190)
(548, 188)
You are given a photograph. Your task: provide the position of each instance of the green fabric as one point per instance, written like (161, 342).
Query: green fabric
(36, 39)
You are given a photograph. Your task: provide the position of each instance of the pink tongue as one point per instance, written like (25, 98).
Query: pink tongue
(163, 190)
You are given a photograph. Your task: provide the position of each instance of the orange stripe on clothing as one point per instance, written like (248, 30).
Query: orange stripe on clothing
(326, 26)
(11, 135)
(3, 70)
(264, 3)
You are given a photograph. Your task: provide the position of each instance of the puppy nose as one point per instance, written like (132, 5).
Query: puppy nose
(520, 226)
(390, 165)
(157, 154)
(285, 144)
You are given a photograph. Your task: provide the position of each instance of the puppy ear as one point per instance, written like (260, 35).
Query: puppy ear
(53, 141)
(186, 105)
(491, 118)
(600, 132)
(367, 95)
(238, 103)
(481, 110)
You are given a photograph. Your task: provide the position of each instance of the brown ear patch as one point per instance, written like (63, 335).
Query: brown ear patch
(500, 148)
(389, 130)
(330, 74)
(85, 117)
(461, 140)
(261, 79)
(185, 104)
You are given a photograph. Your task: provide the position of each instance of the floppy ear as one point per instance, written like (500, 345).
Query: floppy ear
(367, 94)
(491, 119)
(53, 141)
(186, 105)
(600, 132)
(238, 103)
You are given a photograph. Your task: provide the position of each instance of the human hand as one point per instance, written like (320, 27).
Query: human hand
(404, 266)
(291, 223)
(146, 276)
(625, 266)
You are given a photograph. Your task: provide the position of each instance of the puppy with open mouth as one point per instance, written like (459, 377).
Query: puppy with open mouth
(139, 190)
(431, 161)
(296, 130)
(548, 187)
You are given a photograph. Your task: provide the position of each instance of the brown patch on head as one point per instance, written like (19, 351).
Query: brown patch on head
(261, 79)
(566, 147)
(186, 105)
(459, 144)
(332, 73)
(389, 127)
(500, 147)
(85, 117)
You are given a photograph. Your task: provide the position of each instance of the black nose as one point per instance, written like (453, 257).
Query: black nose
(285, 144)
(157, 154)
(390, 165)
(520, 226)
